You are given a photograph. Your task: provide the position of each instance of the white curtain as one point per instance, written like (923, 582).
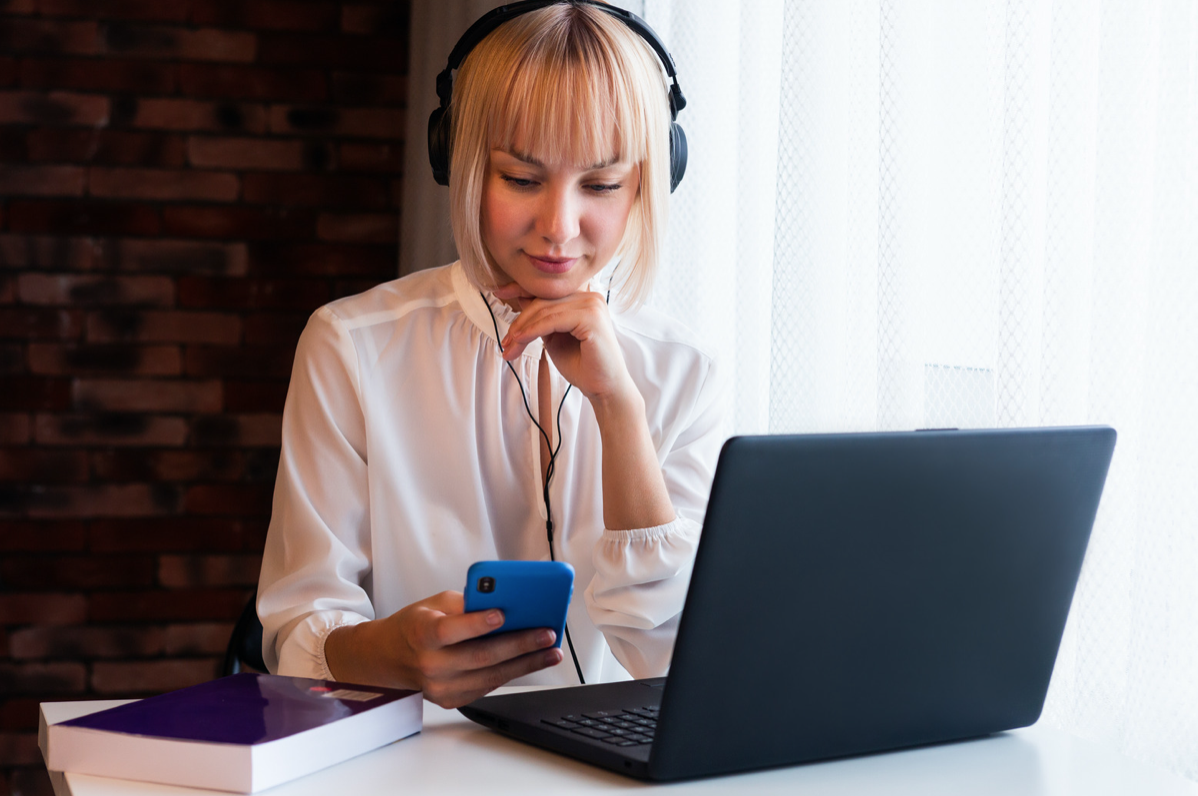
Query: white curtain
(921, 213)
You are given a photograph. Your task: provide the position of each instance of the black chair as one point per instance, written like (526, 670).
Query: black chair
(245, 645)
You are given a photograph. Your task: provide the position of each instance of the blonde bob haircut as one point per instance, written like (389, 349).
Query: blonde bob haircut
(571, 84)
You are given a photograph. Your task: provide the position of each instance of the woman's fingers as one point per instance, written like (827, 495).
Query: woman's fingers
(452, 629)
(476, 683)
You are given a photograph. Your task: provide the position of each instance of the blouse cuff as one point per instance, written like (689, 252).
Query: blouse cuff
(675, 525)
(303, 652)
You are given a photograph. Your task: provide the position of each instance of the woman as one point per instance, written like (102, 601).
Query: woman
(408, 447)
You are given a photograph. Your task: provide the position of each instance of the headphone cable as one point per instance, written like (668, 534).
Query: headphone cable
(549, 469)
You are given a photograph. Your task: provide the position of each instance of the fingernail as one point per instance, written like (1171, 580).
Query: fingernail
(494, 618)
(553, 657)
(545, 638)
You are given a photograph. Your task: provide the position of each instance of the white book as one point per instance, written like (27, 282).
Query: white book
(243, 733)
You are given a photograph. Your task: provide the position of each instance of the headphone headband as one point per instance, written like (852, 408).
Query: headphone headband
(497, 16)
(438, 123)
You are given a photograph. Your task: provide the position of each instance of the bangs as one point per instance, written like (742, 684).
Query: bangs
(568, 101)
(569, 94)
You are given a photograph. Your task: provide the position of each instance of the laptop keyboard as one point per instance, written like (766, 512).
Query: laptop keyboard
(630, 727)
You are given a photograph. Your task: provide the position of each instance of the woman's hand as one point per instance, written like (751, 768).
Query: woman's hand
(433, 646)
(579, 336)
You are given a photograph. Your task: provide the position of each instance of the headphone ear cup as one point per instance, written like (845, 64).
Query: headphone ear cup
(438, 145)
(677, 154)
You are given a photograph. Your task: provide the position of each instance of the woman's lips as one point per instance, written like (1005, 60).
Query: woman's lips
(551, 265)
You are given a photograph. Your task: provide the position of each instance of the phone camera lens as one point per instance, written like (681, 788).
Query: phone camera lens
(486, 585)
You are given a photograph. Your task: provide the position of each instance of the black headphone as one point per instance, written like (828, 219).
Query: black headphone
(438, 121)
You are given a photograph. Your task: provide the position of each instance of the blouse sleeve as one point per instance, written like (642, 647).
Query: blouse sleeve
(641, 576)
(318, 546)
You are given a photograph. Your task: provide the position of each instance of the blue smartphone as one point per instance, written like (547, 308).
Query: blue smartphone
(530, 593)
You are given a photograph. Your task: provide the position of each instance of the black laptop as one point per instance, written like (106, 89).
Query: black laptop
(852, 593)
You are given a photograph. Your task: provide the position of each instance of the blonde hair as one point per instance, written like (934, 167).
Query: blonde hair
(565, 79)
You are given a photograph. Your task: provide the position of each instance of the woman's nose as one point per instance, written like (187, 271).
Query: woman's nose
(558, 219)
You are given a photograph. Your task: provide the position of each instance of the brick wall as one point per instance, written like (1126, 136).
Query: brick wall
(181, 183)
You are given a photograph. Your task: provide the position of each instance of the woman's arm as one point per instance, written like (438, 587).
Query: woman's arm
(317, 619)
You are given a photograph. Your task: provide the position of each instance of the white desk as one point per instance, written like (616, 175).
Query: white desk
(455, 756)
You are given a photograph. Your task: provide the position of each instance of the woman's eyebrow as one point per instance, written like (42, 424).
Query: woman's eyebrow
(525, 157)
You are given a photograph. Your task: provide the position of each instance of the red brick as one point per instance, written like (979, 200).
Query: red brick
(41, 181)
(83, 218)
(8, 71)
(151, 10)
(77, 572)
(115, 147)
(376, 54)
(274, 328)
(158, 466)
(240, 430)
(109, 429)
(255, 396)
(41, 678)
(236, 500)
(324, 259)
(20, 713)
(157, 605)
(371, 157)
(363, 88)
(358, 227)
(266, 14)
(188, 572)
(315, 189)
(282, 294)
(245, 153)
(55, 108)
(174, 43)
(87, 642)
(147, 395)
(151, 676)
(92, 291)
(162, 184)
(154, 360)
(174, 256)
(188, 114)
(40, 536)
(109, 500)
(252, 82)
(184, 534)
(29, 393)
(15, 429)
(48, 36)
(242, 223)
(174, 326)
(19, 749)
(198, 638)
(8, 293)
(35, 323)
(43, 466)
(59, 253)
(375, 18)
(90, 74)
(43, 608)
(351, 122)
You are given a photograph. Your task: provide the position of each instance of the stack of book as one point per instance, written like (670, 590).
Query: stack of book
(242, 733)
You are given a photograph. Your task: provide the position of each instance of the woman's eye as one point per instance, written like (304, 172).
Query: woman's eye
(519, 182)
(603, 187)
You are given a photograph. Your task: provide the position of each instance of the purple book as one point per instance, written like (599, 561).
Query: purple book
(241, 733)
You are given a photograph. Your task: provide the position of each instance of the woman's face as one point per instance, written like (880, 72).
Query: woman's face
(550, 227)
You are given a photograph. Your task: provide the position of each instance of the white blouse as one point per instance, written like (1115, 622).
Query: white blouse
(408, 455)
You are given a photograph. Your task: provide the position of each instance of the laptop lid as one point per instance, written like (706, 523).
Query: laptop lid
(860, 592)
